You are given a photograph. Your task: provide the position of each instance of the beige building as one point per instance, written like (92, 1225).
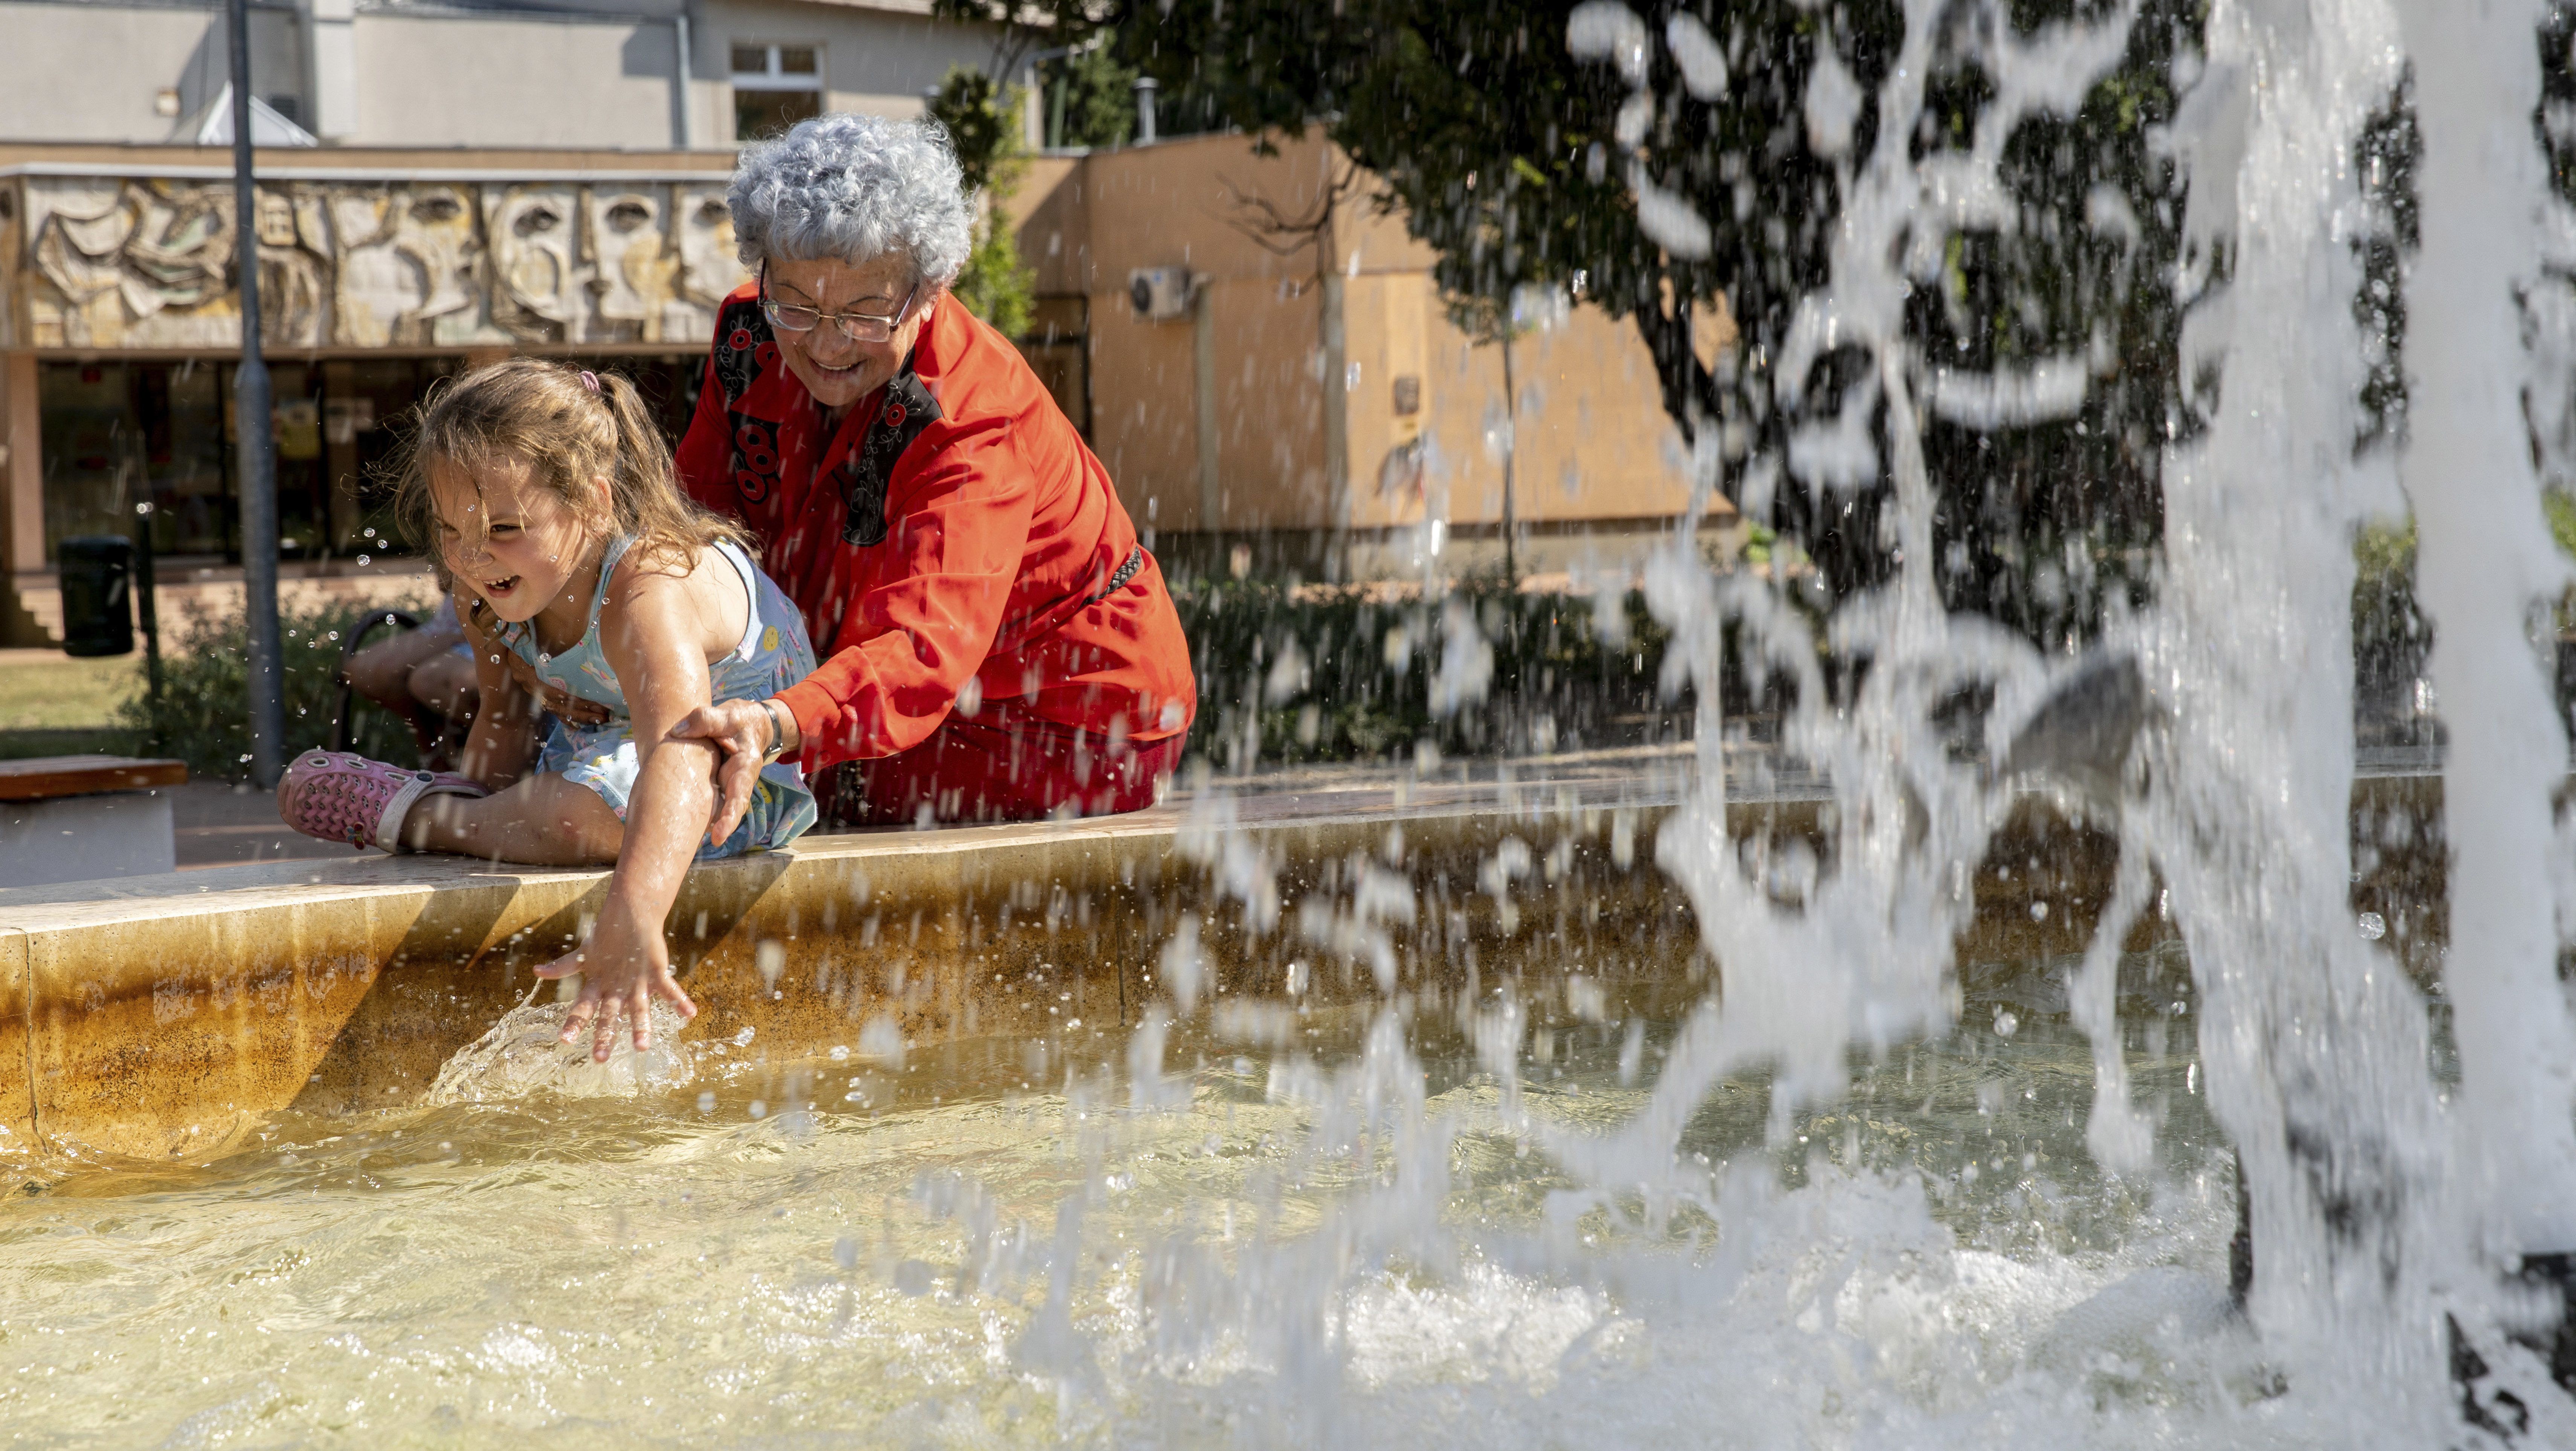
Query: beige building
(592, 74)
(1304, 388)
(1299, 401)
(381, 271)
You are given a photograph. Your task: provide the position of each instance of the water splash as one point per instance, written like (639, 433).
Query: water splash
(522, 1055)
(1458, 1216)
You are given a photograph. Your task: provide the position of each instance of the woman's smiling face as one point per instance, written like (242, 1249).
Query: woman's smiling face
(510, 539)
(836, 369)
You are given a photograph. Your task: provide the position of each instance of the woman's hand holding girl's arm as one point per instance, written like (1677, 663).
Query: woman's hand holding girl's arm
(651, 632)
(745, 730)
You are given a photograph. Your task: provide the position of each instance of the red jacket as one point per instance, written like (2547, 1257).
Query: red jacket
(953, 527)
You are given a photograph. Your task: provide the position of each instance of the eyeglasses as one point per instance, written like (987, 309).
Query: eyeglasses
(858, 327)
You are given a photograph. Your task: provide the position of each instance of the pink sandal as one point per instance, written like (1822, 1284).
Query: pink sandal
(338, 796)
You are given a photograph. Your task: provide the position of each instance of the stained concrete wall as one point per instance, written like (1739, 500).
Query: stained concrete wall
(90, 72)
(162, 1016)
(1312, 331)
(505, 80)
(585, 75)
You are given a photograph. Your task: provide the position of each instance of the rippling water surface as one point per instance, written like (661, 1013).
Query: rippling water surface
(1234, 1251)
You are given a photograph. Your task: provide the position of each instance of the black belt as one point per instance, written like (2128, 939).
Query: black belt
(1118, 581)
(1009, 637)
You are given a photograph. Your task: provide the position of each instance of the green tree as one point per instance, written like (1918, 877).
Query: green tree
(1678, 165)
(1091, 99)
(1086, 89)
(982, 120)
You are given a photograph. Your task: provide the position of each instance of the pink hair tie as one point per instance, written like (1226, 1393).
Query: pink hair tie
(590, 381)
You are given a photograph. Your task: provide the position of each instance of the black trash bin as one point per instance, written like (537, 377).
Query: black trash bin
(98, 595)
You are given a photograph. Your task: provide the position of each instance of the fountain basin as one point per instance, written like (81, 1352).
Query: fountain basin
(160, 1016)
(163, 1016)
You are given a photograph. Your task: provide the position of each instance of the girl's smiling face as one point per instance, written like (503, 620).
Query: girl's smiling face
(513, 541)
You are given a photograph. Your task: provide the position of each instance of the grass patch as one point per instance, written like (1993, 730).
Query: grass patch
(23, 745)
(61, 693)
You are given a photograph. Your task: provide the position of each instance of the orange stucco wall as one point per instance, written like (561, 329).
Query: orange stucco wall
(1592, 441)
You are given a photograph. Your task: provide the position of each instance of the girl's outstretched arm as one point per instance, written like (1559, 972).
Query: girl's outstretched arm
(654, 637)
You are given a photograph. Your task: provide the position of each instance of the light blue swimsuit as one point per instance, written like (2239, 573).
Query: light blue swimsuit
(774, 654)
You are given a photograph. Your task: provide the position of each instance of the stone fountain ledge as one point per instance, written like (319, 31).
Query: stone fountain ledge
(157, 1015)
(161, 1016)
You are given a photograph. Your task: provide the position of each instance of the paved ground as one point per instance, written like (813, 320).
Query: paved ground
(220, 825)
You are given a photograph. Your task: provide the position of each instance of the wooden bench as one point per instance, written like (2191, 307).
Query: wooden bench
(81, 818)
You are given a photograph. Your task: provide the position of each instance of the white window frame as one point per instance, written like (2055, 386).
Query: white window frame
(771, 78)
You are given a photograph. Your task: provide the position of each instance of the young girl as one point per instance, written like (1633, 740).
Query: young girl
(561, 531)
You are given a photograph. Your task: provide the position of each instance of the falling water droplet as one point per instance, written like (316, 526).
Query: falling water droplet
(2373, 926)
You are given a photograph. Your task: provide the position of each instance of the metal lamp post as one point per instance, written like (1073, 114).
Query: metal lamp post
(255, 455)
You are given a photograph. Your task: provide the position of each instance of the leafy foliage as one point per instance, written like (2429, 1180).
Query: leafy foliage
(997, 285)
(1097, 95)
(1340, 673)
(1519, 164)
(203, 714)
(982, 129)
(982, 122)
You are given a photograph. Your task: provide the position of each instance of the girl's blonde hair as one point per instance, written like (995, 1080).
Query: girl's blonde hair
(570, 427)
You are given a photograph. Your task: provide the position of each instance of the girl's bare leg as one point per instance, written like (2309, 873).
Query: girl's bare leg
(543, 821)
(445, 683)
(382, 671)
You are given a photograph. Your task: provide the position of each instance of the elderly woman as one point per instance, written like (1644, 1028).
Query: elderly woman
(995, 643)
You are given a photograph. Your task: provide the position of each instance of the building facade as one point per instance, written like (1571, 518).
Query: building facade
(1302, 392)
(460, 181)
(503, 76)
(1303, 389)
(379, 274)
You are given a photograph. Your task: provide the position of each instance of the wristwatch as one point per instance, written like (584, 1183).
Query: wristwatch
(777, 733)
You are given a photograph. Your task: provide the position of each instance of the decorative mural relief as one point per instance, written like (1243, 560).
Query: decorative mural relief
(635, 267)
(118, 263)
(707, 267)
(536, 290)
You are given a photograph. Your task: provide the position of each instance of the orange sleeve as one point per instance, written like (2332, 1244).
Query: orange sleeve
(959, 521)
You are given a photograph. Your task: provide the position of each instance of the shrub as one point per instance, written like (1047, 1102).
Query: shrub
(982, 120)
(1324, 673)
(203, 714)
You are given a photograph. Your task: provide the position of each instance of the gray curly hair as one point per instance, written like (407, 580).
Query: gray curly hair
(851, 189)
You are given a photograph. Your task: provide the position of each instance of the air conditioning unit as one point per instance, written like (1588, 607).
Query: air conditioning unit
(1160, 294)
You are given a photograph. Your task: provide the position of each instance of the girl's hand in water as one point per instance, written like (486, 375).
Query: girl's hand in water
(622, 969)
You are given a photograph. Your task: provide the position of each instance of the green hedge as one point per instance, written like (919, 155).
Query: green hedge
(1351, 695)
(1358, 686)
(203, 714)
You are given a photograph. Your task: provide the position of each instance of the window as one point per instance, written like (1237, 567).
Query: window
(774, 87)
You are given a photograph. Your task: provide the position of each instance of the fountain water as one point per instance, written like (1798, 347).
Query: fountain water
(1946, 1149)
